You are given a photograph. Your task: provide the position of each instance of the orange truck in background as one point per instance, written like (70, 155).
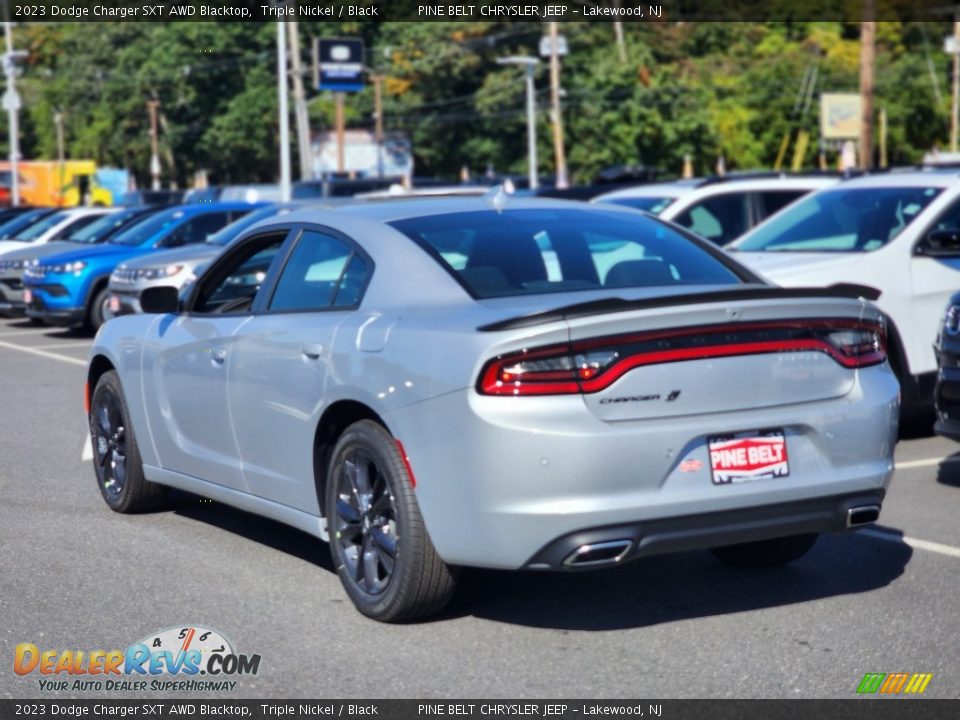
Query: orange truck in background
(55, 184)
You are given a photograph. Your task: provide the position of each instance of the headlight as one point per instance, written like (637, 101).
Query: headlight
(951, 322)
(157, 273)
(63, 268)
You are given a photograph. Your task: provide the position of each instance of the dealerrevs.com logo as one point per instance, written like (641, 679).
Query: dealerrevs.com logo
(172, 659)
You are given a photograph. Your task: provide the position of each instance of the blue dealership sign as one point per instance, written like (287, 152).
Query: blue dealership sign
(341, 64)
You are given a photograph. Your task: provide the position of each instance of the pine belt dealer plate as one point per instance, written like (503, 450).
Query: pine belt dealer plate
(748, 456)
(27, 296)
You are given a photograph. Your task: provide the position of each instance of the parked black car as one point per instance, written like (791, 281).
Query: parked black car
(947, 391)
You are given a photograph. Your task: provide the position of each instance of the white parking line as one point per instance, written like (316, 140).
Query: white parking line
(43, 353)
(927, 462)
(935, 547)
(87, 452)
(51, 346)
(34, 331)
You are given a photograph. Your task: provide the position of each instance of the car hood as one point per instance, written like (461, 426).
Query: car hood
(32, 252)
(802, 268)
(10, 245)
(105, 252)
(190, 254)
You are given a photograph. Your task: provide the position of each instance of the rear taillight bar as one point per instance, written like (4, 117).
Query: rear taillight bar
(589, 366)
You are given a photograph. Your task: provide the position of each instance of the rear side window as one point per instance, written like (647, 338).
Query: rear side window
(720, 218)
(770, 201)
(528, 252)
(322, 272)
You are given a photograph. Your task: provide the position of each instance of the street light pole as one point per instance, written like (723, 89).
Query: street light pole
(530, 66)
(11, 101)
(285, 191)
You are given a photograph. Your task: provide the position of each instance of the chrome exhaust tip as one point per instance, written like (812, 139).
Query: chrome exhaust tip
(862, 515)
(605, 553)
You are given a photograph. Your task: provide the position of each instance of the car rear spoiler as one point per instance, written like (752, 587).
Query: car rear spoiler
(616, 304)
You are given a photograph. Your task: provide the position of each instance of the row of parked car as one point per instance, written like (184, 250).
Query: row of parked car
(897, 232)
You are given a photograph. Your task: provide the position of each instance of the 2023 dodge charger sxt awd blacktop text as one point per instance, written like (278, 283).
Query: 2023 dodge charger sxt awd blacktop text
(498, 383)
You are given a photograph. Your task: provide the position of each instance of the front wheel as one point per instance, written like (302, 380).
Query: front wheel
(378, 540)
(766, 553)
(116, 458)
(99, 311)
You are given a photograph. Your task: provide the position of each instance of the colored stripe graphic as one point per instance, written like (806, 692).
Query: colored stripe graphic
(894, 683)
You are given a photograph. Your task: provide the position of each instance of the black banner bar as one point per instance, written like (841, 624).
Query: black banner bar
(873, 708)
(361, 11)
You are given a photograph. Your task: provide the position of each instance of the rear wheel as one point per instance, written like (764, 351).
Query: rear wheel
(378, 541)
(766, 553)
(116, 459)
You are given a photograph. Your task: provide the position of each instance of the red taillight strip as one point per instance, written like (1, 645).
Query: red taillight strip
(406, 464)
(554, 382)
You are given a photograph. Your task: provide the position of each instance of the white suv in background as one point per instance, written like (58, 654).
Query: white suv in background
(898, 232)
(719, 208)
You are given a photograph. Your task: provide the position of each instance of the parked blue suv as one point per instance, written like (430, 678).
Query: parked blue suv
(71, 288)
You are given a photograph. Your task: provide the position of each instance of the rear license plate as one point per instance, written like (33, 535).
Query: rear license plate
(746, 456)
(27, 296)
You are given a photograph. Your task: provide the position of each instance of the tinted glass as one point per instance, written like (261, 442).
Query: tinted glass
(197, 229)
(39, 228)
(142, 232)
(313, 273)
(232, 231)
(720, 218)
(653, 205)
(526, 252)
(104, 226)
(846, 220)
(77, 224)
(236, 288)
(772, 200)
(20, 223)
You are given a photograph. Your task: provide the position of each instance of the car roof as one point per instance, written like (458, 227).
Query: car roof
(387, 212)
(717, 185)
(934, 177)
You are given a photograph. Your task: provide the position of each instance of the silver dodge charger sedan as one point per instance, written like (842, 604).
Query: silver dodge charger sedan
(498, 382)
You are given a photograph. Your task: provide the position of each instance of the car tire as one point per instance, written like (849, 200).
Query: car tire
(99, 311)
(116, 458)
(766, 553)
(378, 540)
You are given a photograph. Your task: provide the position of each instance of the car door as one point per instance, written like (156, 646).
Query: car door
(933, 279)
(281, 363)
(189, 357)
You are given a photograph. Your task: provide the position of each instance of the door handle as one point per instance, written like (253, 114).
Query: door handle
(312, 352)
(218, 356)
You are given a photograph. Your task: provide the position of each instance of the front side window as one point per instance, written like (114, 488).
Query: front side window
(841, 220)
(233, 287)
(322, 272)
(537, 251)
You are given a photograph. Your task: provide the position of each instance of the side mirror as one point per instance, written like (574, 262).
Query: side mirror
(160, 299)
(942, 242)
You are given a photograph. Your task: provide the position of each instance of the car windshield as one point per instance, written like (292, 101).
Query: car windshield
(103, 227)
(39, 228)
(537, 251)
(227, 234)
(20, 223)
(841, 220)
(653, 205)
(144, 231)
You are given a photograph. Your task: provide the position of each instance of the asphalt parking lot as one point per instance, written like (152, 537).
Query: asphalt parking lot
(75, 575)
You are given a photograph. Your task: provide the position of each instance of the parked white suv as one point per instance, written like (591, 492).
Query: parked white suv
(719, 208)
(897, 232)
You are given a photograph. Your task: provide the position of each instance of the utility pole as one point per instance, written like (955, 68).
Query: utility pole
(300, 104)
(558, 151)
(284, 113)
(621, 46)
(868, 30)
(11, 101)
(377, 81)
(340, 122)
(529, 65)
(58, 122)
(152, 106)
(955, 98)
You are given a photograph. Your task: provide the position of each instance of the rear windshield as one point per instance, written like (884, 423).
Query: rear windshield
(537, 251)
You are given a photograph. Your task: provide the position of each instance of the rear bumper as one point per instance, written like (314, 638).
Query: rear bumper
(694, 532)
(508, 483)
